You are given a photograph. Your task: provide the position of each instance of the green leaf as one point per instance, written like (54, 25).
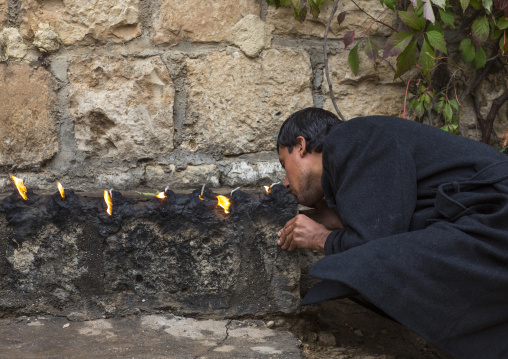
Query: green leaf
(411, 19)
(454, 105)
(448, 112)
(464, 4)
(426, 58)
(480, 58)
(440, 3)
(371, 49)
(354, 59)
(467, 50)
(406, 60)
(299, 10)
(452, 128)
(390, 3)
(495, 34)
(397, 43)
(480, 31)
(502, 23)
(314, 8)
(419, 109)
(436, 39)
(439, 106)
(476, 4)
(427, 100)
(503, 45)
(447, 18)
(487, 4)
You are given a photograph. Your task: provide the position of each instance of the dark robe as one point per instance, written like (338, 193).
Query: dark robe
(425, 234)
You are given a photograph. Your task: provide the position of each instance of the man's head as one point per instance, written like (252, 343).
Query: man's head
(299, 144)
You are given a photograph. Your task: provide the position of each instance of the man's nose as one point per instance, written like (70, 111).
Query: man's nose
(286, 182)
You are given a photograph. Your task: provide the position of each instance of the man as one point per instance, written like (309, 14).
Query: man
(415, 220)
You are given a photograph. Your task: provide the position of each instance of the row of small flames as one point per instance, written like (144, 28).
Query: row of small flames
(223, 201)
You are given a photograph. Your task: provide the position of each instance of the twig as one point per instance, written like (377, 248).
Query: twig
(325, 50)
(372, 17)
(372, 23)
(494, 109)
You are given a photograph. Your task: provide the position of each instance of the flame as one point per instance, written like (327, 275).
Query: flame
(109, 202)
(224, 203)
(21, 188)
(61, 189)
(161, 195)
(201, 198)
(268, 189)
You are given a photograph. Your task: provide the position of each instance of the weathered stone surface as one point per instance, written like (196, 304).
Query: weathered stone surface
(197, 20)
(28, 133)
(371, 92)
(123, 106)
(4, 11)
(76, 21)
(236, 104)
(285, 24)
(251, 35)
(46, 38)
(180, 253)
(488, 90)
(224, 173)
(12, 44)
(192, 176)
(247, 173)
(146, 336)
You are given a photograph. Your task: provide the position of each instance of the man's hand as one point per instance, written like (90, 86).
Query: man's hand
(303, 232)
(324, 215)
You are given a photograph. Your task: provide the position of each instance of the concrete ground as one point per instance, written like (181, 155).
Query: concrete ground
(144, 336)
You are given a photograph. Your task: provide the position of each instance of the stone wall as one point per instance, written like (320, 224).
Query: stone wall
(130, 94)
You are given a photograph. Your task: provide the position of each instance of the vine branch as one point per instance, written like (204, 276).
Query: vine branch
(325, 50)
(372, 17)
(496, 105)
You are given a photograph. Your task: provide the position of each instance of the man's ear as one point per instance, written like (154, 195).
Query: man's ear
(301, 145)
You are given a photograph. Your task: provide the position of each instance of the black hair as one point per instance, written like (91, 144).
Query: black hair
(311, 123)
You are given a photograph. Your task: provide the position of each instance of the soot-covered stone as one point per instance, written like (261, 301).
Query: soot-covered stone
(181, 253)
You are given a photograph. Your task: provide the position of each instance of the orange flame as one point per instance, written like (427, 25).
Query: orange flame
(201, 198)
(109, 202)
(161, 195)
(268, 189)
(61, 189)
(224, 203)
(19, 185)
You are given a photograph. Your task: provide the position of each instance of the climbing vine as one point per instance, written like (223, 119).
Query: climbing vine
(438, 83)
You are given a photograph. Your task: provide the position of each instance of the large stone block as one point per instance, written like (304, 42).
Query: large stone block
(356, 20)
(123, 107)
(252, 35)
(4, 12)
(197, 20)
(371, 92)
(79, 21)
(28, 132)
(182, 253)
(236, 105)
(12, 44)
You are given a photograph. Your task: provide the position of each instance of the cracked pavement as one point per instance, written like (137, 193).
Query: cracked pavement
(143, 336)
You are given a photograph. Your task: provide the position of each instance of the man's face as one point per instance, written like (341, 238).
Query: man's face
(303, 174)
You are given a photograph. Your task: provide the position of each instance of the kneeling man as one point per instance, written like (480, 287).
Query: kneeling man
(411, 217)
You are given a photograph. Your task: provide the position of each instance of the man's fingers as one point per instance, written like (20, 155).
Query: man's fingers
(288, 241)
(288, 223)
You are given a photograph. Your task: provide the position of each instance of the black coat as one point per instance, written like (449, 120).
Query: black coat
(425, 234)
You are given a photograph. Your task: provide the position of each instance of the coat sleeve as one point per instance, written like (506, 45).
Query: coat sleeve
(370, 177)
